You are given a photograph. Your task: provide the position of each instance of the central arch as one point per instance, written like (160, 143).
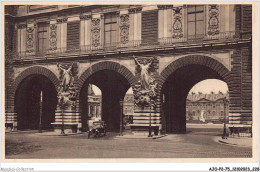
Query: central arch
(178, 78)
(113, 80)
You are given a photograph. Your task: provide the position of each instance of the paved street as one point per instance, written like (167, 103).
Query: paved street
(199, 142)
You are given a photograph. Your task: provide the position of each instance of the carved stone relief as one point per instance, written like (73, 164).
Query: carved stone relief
(177, 27)
(67, 91)
(53, 37)
(124, 29)
(213, 22)
(95, 29)
(30, 39)
(145, 90)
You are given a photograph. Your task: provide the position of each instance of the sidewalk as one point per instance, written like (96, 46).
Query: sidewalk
(236, 141)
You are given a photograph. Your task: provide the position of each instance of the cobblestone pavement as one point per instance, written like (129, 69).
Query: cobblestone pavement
(197, 143)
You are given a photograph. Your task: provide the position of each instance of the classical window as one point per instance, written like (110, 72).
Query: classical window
(42, 35)
(196, 26)
(111, 26)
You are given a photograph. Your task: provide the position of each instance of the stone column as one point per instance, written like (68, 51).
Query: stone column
(22, 39)
(85, 32)
(135, 25)
(64, 35)
(59, 22)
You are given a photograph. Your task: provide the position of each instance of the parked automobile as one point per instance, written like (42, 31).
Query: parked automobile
(98, 128)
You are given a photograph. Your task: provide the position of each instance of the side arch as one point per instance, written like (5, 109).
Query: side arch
(199, 60)
(32, 71)
(178, 78)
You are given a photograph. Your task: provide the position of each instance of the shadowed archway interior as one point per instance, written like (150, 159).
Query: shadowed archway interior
(113, 87)
(27, 102)
(175, 91)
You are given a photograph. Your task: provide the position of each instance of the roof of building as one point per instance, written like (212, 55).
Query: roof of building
(194, 97)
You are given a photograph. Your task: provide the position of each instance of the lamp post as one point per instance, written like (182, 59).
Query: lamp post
(62, 106)
(150, 120)
(225, 114)
(40, 123)
(121, 117)
(62, 124)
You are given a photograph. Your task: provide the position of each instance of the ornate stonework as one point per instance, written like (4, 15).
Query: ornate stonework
(145, 90)
(213, 22)
(21, 26)
(95, 30)
(177, 26)
(135, 10)
(67, 91)
(164, 7)
(29, 39)
(124, 28)
(85, 17)
(53, 37)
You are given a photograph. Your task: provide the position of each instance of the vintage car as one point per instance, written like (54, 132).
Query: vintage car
(98, 128)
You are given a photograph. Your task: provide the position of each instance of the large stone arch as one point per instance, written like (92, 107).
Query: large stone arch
(176, 81)
(199, 60)
(111, 103)
(106, 65)
(34, 70)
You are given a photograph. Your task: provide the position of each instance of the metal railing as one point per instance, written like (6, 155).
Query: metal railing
(136, 45)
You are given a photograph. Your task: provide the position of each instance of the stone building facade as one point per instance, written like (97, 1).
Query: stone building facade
(161, 51)
(207, 107)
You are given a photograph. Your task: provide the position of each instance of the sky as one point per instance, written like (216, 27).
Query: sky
(205, 86)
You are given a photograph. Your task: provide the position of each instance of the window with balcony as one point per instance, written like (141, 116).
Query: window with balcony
(111, 26)
(196, 26)
(42, 35)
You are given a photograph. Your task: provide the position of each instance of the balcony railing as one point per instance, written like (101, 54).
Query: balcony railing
(137, 45)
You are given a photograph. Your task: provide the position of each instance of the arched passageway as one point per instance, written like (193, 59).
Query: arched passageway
(178, 84)
(27, 102)
(113, 87)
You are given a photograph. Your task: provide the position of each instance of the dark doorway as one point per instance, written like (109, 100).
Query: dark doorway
(27, 103)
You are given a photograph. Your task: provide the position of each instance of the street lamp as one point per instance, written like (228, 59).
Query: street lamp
(121, 117)
(40, 123)
(225, 114)
(150, 121)
(62, 117)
